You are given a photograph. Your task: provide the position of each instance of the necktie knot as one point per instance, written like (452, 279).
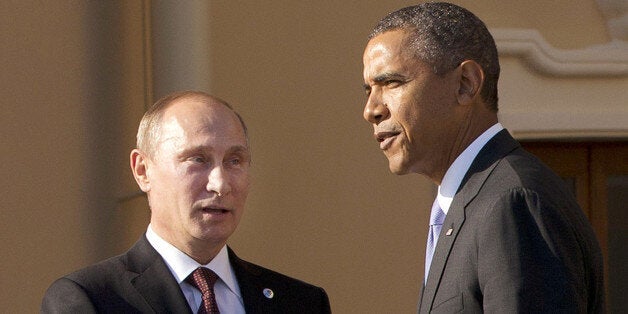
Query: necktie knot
(204, 279)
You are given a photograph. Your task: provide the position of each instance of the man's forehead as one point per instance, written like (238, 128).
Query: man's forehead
(379, 57)
(393, 38)
(198, 118)
(214, 126)
(199, 110)
(204, 139)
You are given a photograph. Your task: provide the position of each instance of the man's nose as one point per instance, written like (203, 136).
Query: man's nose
(218, 181)
(375, 110)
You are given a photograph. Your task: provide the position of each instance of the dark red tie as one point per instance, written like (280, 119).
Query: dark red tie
(204, 279)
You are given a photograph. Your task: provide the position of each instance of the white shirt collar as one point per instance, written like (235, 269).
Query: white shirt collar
(181, 265)
(454, 175)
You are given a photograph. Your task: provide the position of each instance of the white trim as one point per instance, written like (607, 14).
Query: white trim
(615, 12)
(609, 60)
(558, 125)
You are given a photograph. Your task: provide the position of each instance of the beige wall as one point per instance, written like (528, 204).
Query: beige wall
(72, 87)
(77, 75)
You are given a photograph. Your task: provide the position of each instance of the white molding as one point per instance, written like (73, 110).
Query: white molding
(558, 125)
(615, 12)
(609, 60)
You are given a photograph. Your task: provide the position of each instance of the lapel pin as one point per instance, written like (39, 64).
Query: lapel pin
(449, 232)
(269, 294)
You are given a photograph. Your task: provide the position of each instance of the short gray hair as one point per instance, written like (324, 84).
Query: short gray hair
(150, 125)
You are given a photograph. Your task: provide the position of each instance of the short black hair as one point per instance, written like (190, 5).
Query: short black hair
(444, 35)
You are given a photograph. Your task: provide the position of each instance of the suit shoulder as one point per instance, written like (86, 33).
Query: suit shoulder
(103, 280)
(268, 274)
(522, 170)
(66, 296)
(288, 295)
(101, 287)
(99, 273)
(74, 293)
(525, 164)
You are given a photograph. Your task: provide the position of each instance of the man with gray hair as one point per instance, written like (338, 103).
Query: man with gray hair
(192, 160)
(505, 234)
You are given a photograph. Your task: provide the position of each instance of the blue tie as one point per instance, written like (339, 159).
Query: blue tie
(436, 223)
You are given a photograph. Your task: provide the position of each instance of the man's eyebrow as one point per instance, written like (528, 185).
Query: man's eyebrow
(387, 76)
(383, 78)
(192, 150)
(236, 149)
(240, 149)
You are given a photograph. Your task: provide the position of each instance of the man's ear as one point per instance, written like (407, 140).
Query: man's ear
(139, 167)
(471, 82)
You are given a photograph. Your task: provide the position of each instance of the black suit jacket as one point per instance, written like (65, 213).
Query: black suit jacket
(514, 241)
(139, 281)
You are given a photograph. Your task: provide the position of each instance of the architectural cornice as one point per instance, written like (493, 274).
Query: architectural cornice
(608, 60)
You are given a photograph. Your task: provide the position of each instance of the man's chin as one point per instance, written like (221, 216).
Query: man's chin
(397, 167)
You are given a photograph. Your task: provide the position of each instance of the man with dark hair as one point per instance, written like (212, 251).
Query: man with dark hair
(192, 160)
(505, 235)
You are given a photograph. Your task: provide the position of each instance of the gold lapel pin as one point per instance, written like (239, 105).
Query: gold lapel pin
(449, 232)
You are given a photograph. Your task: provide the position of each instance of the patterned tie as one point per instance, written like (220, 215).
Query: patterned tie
(436, 224)
(204, 279)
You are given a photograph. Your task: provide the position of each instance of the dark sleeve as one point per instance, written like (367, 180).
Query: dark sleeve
(325, 307)
(519, 268)
(66, 296)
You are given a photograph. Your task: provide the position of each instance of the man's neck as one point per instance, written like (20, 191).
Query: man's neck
(476, 122)
(201, 251)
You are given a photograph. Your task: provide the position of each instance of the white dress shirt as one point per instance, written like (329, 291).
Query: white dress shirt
(454, 175)
(226, 289)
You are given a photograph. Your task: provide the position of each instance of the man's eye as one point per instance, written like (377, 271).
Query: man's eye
(197, 159)
(235, 161)
(393, 83)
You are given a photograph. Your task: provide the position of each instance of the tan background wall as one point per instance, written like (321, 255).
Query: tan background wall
(77, 75)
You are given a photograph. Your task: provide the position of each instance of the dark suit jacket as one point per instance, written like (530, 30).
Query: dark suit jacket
(514, 241)
(139, 281)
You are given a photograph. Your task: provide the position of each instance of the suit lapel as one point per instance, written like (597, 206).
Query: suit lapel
(451, 226)
(153, 280)
(484, 163)
(250, 289)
